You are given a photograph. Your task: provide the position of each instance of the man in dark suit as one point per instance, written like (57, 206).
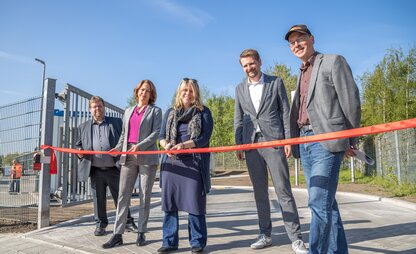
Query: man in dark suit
(100, 134)
(326, 100)
(262, 114)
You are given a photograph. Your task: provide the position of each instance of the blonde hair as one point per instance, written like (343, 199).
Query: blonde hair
(197, 102)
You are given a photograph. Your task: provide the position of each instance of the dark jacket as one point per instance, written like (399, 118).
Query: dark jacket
(202, 141)
(84, 142)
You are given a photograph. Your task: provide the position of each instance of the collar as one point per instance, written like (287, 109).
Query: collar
(260, 82)
(308, 63)
(136, 109)
(96, 122)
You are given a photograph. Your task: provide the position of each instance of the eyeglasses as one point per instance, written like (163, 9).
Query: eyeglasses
(298, 40)
(190, 79)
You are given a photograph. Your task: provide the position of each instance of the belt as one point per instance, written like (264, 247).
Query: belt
(104, 168)
(306, 128)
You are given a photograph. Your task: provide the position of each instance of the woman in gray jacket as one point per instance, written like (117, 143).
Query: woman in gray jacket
(141, 126)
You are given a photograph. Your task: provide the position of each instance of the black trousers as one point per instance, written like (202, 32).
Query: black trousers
(100, 180)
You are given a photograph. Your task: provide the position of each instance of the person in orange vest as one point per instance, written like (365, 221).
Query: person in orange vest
(15, 175)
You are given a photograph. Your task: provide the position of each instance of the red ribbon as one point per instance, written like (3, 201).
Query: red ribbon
(399, 125)
(53, 168)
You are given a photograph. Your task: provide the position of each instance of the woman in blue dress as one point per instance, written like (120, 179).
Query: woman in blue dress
(185, 178)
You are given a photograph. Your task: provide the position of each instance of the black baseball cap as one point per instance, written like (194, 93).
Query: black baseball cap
(303, 29)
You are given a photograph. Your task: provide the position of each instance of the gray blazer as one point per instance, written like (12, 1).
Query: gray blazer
(84, 142)
(273, 114)
(333, 102)
(148, 134)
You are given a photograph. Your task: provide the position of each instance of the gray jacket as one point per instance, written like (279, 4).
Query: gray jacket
(148, 134)
(333, 102)
(272, 116)
(84, 142)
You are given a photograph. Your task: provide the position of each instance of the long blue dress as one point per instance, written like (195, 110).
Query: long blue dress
(182, 186)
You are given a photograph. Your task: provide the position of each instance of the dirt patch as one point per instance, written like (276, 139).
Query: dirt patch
(57, 215)
(7, 226)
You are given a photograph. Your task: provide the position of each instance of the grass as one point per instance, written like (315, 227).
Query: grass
(388, 183)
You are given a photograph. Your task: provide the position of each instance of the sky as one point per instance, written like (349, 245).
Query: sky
(107, 47)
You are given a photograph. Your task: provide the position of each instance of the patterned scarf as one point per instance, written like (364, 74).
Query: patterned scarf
(191, 116)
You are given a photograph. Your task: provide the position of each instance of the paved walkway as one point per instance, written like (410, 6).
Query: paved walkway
(373, 225)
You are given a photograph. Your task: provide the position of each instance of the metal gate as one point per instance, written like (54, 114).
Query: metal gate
(76, 111)
(19, 138)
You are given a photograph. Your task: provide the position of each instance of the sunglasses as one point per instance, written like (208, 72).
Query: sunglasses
(190, 79)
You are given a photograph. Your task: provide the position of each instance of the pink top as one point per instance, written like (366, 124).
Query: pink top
(134, 125)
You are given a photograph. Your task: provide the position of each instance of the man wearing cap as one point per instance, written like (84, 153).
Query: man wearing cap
(326, 100)
(262, 114)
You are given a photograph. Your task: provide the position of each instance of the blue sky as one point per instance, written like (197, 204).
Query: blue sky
(107, 47)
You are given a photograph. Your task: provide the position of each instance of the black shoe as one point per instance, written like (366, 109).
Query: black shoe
(115, 240)
(197, 249)
(99, 231)
(141, 239)
(131, 226)
(166, 249)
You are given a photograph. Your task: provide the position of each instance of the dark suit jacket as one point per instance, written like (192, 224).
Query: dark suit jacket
(273, 114)
(333, 102)
(202, 141)
(84, 142)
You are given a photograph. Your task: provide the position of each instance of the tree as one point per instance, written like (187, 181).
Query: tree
(285, 73)
(131, 101)
(222, 109)
(8, 158)
(389, 92)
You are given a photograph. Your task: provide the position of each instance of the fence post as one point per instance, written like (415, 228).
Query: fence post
(352, 169)
(379, 161)
(297, 172)
(396, 138)
(48, 106)
(223, 161)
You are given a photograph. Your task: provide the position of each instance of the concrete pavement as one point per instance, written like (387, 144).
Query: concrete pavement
(373, 225)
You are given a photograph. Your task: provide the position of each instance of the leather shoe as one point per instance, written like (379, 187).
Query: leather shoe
(131, 227)
(197, 249)
(141, 239)
(99, 231)
(166, 249)
(115, 240)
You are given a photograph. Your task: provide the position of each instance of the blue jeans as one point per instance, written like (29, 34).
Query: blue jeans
(197, 230)
(321, 169)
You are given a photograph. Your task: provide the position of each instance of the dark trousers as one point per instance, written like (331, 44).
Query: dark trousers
(100, 179)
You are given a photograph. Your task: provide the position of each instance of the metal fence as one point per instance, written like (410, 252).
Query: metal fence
(19, 138)
(76, 111)
(395, 154)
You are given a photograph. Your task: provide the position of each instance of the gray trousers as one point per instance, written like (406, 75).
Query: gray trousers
(275, 160)
(128, 175)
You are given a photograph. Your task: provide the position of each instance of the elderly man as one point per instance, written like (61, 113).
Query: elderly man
(326, 100)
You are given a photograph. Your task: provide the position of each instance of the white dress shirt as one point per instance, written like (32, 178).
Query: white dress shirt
(256, 91)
